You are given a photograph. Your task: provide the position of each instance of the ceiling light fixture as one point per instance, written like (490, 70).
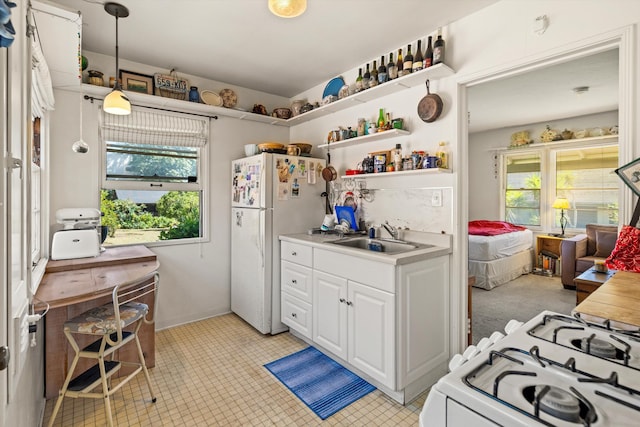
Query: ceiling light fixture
(116, 102)
(287, 8)
(580, 90)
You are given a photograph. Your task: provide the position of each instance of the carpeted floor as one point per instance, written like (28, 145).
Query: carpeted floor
(520, 299)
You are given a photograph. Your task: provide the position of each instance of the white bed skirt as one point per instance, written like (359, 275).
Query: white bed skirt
(490, 274)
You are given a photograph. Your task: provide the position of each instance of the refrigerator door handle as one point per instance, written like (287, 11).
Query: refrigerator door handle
(261, 234)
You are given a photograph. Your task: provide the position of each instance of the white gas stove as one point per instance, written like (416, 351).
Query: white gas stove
(554, 370)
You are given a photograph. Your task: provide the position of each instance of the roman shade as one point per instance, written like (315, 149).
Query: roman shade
(147, 126)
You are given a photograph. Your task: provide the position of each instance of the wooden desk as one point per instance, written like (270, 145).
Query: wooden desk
(589, 281)
(617, 299)
(72, 287)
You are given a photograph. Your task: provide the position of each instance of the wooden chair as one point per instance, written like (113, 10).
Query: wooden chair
(109, 322)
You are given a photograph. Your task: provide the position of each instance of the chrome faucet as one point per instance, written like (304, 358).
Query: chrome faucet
(393, 231)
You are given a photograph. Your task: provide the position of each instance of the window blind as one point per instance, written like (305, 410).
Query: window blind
(144, 126)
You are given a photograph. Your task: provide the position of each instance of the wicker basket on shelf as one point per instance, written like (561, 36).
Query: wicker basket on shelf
(171, 86)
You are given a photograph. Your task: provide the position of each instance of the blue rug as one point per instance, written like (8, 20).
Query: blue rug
(320, 382)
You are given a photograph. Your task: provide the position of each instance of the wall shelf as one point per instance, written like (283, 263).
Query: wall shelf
(391, 133)
(434, 72)
(431, 171)
(179, 105)
(563, 142)
(401, 83)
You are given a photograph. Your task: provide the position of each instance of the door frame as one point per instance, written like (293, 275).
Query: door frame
(624, 40)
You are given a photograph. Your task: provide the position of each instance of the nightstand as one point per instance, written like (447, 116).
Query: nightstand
(548, 255)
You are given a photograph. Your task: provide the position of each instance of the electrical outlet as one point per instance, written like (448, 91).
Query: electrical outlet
(436, 198)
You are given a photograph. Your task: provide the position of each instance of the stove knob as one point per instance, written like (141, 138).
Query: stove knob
(484, 343)
(496, 336)
(512, 325)
(456, 361)
(471, 351)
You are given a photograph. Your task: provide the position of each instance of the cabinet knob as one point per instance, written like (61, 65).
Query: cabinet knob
(342, 300)
(294, 253)
(294, 281)
(349, 303)
(294, 315)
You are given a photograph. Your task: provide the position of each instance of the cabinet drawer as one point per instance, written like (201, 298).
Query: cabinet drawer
(297, 314)
(294, 252)
(296, 280)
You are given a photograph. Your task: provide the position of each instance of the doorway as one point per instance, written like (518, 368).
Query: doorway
(476, 90)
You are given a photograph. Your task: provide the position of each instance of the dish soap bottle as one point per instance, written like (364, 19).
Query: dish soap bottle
(397, 157)
(443, 156)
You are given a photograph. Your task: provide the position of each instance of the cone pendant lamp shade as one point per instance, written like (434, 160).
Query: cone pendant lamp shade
(116, 102)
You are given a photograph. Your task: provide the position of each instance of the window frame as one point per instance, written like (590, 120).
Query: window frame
(202, 185)
(548, 184)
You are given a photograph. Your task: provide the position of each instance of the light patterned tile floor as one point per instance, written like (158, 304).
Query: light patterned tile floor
(210, 373)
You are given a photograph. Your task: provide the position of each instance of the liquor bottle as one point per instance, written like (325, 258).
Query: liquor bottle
(428, 54)
(387, 125)
(397, 157)
(359, 80)
(392, 70)
(400, 64)
(373, 81)
(381, 120)
(382, 71)
(365, 78)
(438, 50)
(408, 61)
(417, 59)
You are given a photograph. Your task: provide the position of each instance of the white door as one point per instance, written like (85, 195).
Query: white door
(249, 296)
(330, 313)
(371, 332)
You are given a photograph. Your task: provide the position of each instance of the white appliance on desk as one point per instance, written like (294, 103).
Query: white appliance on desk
(554, 370)
(80, 236)
(271, 194)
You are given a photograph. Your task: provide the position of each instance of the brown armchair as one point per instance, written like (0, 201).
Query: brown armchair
(580, 251)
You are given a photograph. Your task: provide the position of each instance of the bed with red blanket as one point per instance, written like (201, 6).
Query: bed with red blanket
(498, 252)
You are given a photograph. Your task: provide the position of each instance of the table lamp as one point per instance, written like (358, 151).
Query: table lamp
(562, 204)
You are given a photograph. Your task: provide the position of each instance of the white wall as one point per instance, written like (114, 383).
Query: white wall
(484, 188)
(195, 278)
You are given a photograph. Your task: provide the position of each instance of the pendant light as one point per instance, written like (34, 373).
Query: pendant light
(287, 8)
(116, 102)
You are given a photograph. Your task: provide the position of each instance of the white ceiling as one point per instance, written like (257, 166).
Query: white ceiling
(241, 43)
(546, 93)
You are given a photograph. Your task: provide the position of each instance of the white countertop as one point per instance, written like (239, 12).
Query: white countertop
(441, 242)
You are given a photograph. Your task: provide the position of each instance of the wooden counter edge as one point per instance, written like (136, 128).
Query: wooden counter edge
(111, 256)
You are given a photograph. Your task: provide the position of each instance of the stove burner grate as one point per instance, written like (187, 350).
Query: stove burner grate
(598, 347)
(558, 403)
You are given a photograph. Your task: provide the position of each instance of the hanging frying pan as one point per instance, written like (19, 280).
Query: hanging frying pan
(430, 107)
(329, 174)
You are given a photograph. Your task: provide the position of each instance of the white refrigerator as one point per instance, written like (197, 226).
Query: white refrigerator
(271, 194)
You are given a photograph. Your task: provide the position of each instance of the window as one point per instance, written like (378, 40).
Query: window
(534, 177)
(522, 195)
(153, 186)
(585, 177)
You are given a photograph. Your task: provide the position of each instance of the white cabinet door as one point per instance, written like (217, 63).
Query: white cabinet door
(371, 331)
(330, 313)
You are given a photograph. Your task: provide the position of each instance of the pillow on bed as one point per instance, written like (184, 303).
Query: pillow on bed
(605, 242)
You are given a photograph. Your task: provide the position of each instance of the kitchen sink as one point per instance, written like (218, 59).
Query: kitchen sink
(380, 245)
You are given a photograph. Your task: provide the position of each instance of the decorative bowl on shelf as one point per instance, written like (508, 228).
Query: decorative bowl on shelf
(229, 98)
(282, 113)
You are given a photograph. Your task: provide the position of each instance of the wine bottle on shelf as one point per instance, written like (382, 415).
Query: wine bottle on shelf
(382, 71)
(400, 64)
(392, 70)
(417, 58)
(438, 50)
(365, 78)
(381, 120)
(387, 126)
(373, 81)
(408, 61)
(428, 54)
(359, 80)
